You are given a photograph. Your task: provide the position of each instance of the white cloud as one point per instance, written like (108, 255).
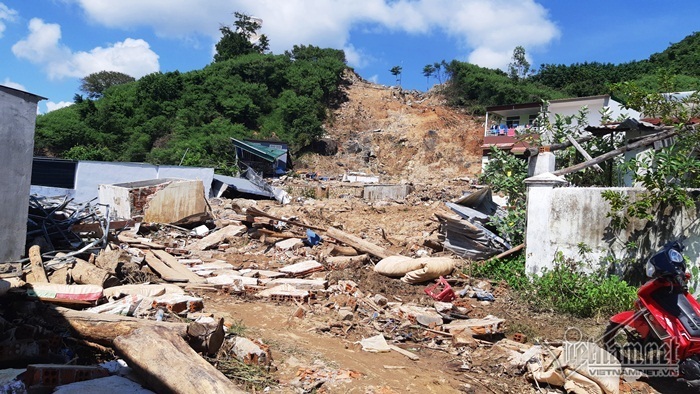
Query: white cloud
(51, 106)
(374, 78)
(356, 57)
(13, 85)
(486, 30)
(42, 46)
(6, 15)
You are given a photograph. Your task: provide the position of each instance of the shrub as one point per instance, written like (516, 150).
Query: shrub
(566, 288)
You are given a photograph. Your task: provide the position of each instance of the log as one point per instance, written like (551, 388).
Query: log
(85, 273)
(103, 328)
(339, 250)
(229, 232)
(509, 252)
(359, 243)
(38, 274)
(606, 156)
(169, 365)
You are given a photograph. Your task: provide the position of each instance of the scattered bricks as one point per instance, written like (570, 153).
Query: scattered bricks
(177, 251)
(44, 377)
(344, 301)
(518, 337)
(178, 303)
(347, 286)
(299, 313)
(252, 352)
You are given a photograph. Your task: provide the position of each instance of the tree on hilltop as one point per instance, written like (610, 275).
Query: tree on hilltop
(95, 84)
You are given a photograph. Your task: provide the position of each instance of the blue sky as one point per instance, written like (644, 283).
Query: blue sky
(46, 46)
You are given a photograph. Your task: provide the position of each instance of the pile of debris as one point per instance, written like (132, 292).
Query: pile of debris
(128, 286)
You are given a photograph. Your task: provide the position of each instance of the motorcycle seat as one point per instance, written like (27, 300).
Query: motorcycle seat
(677, 305)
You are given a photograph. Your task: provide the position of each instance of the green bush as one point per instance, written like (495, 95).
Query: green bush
(567, 289)
(510, 270)
(564, 289)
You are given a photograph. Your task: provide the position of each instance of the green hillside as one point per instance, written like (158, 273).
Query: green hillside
(189, 118)
(675, 69)
(171, 117)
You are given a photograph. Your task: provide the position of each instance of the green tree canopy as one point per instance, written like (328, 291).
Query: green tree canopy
(241, 40)
(95, 84)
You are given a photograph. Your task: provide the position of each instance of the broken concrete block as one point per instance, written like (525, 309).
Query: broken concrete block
(252, 352)
(303, 268)
(177, 303)
(345, 313)
(465, 337)
(486, 326)
(302, 284)
(289, 244)
(423, 316)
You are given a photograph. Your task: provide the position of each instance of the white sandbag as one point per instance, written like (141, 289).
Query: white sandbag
(397, 266)
(433, 268)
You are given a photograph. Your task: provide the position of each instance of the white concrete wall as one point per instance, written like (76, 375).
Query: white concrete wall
(17, 122)
(90, 174)
(560, 218)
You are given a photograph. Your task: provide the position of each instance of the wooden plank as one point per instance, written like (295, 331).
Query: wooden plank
(163, 269)
(606, 156)
(406, 353)
(583, 152)
(173, 263)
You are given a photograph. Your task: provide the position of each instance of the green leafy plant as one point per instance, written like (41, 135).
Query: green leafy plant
(506, 174)
(565, 288)
(568, 289)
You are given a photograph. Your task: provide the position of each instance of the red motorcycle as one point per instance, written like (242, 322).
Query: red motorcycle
(661, 335)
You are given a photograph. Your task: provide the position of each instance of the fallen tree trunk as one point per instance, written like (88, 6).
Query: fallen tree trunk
(169, 365)
(359, 243)
(103, 328)
(606, 156)
(88, 274)
(38, 275)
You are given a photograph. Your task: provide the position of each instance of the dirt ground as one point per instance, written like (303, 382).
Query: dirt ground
(402, 137)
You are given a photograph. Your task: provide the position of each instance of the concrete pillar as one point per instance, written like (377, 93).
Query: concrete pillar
(542, 163)
(538, 240)
(18, 114)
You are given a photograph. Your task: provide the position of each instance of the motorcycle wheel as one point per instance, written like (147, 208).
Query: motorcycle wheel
(628, 346)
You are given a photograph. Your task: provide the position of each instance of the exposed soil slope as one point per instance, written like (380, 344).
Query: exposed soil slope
(402, 135)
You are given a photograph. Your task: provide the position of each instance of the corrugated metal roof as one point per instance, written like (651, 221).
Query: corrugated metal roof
(243, 185)
(265, 152)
